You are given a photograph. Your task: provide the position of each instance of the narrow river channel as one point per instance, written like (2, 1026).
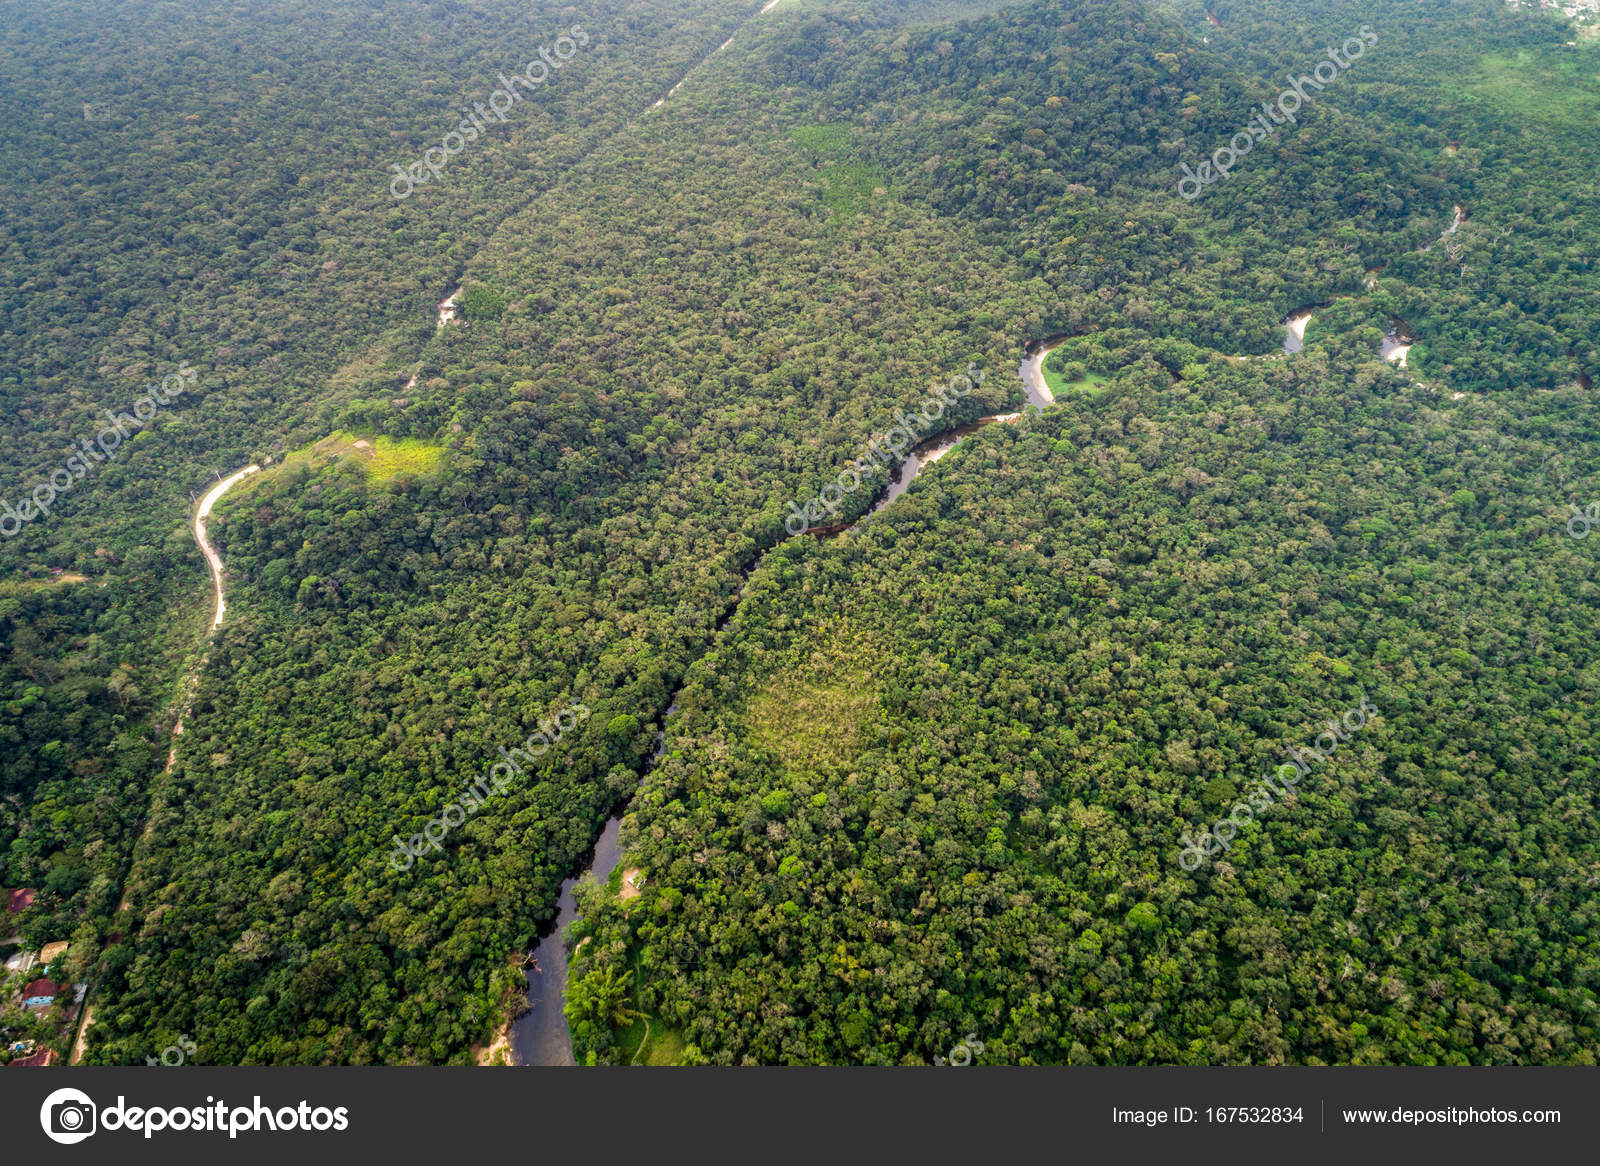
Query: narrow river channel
(540, 1036)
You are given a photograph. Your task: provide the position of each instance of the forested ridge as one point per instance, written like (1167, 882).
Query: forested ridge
(923, 780)
(933, 780)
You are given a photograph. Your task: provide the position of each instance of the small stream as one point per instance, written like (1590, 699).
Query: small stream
(1455, 225)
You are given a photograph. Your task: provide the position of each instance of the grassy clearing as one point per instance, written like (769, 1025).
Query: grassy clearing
(26, 586)
(850, 187)
(847, 186)
(665, 1048)
(812, 715)
(384, 458)
(831, 139)
(1063, 376)
(392, 457)
(1550, 85)
(1090, 385)
(648, 1040)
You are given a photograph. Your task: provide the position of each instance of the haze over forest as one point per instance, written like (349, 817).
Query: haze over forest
(444, 437)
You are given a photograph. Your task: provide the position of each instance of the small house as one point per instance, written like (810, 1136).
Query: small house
(39, 993)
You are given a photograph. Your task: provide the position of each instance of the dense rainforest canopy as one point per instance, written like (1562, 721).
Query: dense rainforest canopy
(923, 779)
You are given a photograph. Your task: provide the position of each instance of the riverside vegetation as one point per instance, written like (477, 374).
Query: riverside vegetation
(923, 780)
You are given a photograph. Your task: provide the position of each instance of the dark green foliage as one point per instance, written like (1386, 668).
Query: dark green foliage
(923, 781)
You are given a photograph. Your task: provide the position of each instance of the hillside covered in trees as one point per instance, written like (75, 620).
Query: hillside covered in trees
(922, 779)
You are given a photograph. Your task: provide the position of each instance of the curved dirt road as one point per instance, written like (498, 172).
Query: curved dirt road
(206, 548)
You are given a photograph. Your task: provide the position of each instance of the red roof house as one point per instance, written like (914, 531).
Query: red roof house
(20, 900)
(38, 1060)
(39, 993)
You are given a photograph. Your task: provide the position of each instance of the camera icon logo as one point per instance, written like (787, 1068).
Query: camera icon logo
(68, 1116)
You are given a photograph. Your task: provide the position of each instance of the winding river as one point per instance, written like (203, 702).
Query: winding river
(540, 1036)
(1032, 370)
(1455, 225)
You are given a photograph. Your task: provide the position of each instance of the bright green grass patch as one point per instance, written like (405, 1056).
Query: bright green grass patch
(850, 187)
(665, 1048)
(650, 1042)
(384, 458)
(1560, 85)
(813, 713)
(1090, 385)
(392, 457)
(830, 139)
(847, 186)
(1063, 376)
(647, 1040)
